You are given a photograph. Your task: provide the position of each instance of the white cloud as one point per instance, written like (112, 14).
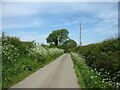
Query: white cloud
(18, 9)
(21, 23)
(106, 30)
(108, 25)
(102, 15)
(30, 36)
(27, 9)
(38, 38)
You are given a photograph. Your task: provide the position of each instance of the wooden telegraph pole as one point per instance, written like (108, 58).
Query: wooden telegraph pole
(80, 34)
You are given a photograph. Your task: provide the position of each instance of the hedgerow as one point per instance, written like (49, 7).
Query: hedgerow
(20, 59)
(104, 58)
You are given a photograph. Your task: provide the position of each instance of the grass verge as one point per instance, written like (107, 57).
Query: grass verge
(87, 78)
(79, 77)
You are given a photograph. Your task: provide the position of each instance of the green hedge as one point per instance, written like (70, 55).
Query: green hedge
(87, 77)
(103, 57)
(20, 59)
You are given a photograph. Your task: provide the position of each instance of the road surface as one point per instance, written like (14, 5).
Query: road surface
(58, 74)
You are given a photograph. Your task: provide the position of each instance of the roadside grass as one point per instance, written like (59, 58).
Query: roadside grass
(79, 77)
(23, 68)
(87, 78)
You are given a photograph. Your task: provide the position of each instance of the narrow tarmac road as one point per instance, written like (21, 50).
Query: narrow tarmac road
(58, 74)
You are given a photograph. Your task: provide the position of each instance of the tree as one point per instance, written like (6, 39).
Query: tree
(58, 37)
(69, 44)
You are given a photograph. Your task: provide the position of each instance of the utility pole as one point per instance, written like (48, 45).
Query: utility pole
(80, 34)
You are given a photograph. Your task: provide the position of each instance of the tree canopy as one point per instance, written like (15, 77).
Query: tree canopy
(58, 37)
(69, 44)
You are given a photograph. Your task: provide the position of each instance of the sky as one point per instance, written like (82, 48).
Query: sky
(36, 20)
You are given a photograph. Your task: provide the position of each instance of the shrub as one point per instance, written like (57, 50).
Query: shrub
(20, 59)
(90, 78)
(9, 54)
(104, 57)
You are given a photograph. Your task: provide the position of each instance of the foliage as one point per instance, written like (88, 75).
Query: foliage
(57, 37)
(41, 54)
(60, 39)
(44, 45)
(90, 78)
(104, 57)
(69, 44)
(9, 54)
(0, 62)
(20, 59)
(22, 47)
